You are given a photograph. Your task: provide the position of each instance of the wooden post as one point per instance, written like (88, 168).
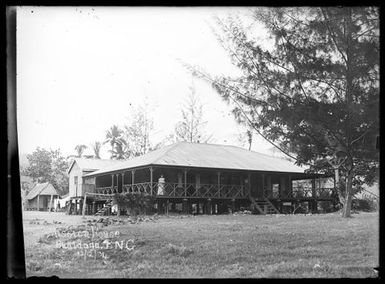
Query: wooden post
(313, 191)
(282, 187)
(151, 180)
(185, 183)
(219, 182)
(132, 179)
(50, 203)
(290, 189)
(184, 206)
(232, 205)
(208, 206)
(122, 182)
(112, 183)
(76, 206)
(263, 183)
(314, 206)
(93, 207)
(259, 189)
(268, 185)
(167, 205)
(38, 203)
(249, 184)
(84, 204)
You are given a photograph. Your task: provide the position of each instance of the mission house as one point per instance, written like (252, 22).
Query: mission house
(198, 178)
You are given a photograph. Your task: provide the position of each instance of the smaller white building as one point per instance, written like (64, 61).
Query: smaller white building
(80, 167)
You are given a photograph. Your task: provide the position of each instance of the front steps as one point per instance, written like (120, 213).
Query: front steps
(263, 206)
(104, 209)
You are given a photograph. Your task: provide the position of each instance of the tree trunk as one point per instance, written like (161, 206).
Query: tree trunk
(337, 186)
(349, 99)
(346, 212)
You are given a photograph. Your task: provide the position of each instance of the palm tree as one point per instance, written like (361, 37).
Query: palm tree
(80, 149)
(121, 151)
(96, 147)
(115, 139)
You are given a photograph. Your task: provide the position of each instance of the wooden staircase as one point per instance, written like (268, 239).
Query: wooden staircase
(104, 209)
(263, 206)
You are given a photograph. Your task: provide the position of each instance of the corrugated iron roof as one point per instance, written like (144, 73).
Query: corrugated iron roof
(42, 189)
(93, 164)
(207, 156)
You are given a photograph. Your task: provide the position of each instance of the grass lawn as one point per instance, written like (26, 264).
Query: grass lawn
(225, 246)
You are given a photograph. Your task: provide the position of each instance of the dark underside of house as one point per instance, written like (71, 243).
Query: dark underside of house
(207, 191)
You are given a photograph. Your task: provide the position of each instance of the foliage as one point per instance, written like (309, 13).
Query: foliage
(134, 138)
(326, 206)
(134, 202)
(191, 127)
(313, 90)
(249, 137)
(96, 146)
(80, 149)
(366, 204)
(48, 166)
(138, 131)
(114, 136)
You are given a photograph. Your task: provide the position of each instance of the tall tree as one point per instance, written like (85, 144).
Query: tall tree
(138, 130)
(48, 166)
(80, 150)
(96, 146)
(114, 136)
(191, 127)
(313, 91)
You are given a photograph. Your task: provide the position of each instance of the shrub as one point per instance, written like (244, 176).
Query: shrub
(325, 206)
(136, 202)
(366, 205)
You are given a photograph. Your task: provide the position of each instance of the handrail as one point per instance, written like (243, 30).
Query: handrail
(182, 190)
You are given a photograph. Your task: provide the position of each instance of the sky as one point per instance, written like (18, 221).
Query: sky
(79, 69)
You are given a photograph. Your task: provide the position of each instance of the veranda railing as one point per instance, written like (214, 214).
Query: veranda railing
(180, 190)
(301, 192)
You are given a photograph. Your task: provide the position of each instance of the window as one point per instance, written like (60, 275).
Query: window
(75, 180)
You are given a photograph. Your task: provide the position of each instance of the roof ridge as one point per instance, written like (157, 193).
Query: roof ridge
(233, 146)
(172, 146)
(267, 155)
(93, 159)
(43, 186)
